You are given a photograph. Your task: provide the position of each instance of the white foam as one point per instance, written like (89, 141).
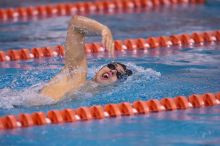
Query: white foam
(140, 79)
(26, 97)
(9, 97)
(142, 70)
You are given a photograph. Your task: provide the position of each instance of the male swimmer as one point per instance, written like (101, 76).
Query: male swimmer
(73, 75)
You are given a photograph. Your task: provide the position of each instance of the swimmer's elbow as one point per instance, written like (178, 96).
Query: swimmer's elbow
(75, 20)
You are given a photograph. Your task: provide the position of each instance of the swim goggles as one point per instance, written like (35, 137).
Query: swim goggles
(119, 75)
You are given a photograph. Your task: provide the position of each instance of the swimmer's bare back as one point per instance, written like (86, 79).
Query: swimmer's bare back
(74, 73)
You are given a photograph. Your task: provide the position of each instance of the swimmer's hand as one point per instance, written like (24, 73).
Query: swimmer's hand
(84, 25)
(107, 40)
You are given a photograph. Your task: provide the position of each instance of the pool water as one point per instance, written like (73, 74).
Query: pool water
(164, 72)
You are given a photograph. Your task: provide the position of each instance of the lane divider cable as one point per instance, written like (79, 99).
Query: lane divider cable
(68, 9)
(134, 44)
(98, 112)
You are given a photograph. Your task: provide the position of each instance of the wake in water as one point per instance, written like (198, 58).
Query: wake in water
(27, 97)
(135, 84)
(30, 96)
(134, 87)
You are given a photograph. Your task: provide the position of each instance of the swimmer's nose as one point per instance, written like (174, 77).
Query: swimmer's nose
(114, 71)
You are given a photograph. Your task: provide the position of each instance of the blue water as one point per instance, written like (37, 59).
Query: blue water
(164, 72)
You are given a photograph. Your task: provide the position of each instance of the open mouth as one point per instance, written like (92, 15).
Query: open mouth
(106, 75)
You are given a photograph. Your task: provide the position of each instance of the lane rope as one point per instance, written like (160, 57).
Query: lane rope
(68, 9)
(195, 38)
(98, 112)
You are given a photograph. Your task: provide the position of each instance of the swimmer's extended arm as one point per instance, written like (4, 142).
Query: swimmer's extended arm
(78, 28)
(74, 72)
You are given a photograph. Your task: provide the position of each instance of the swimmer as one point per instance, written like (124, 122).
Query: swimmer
(73, 75)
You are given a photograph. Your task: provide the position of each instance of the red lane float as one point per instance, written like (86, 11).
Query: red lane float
(25, 119)
(196, 100)
(62, 9)
(55, 116)
(154, 105)
(113, 110)
(109, 110)
(84, 113)
(168, 103)
(181, 102)
(68, 115)
(126, 109)
(141, 107)
(39, 118)
(97, 112)
(196, 38)
(9, 122)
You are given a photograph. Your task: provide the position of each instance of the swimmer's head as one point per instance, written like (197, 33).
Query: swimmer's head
(112, 73)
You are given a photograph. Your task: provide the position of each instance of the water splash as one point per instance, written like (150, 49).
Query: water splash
(127, 90)
(133, 86)
(27, 97)
(139, 80)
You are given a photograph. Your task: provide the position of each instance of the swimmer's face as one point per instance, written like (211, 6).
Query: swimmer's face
(111, 73)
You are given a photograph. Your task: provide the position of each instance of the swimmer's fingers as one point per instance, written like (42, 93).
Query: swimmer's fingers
(104, 42)
(111, 47)
(104, 38)
(107, 40)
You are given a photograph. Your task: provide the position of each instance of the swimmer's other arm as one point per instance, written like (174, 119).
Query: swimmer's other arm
(74, 73)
